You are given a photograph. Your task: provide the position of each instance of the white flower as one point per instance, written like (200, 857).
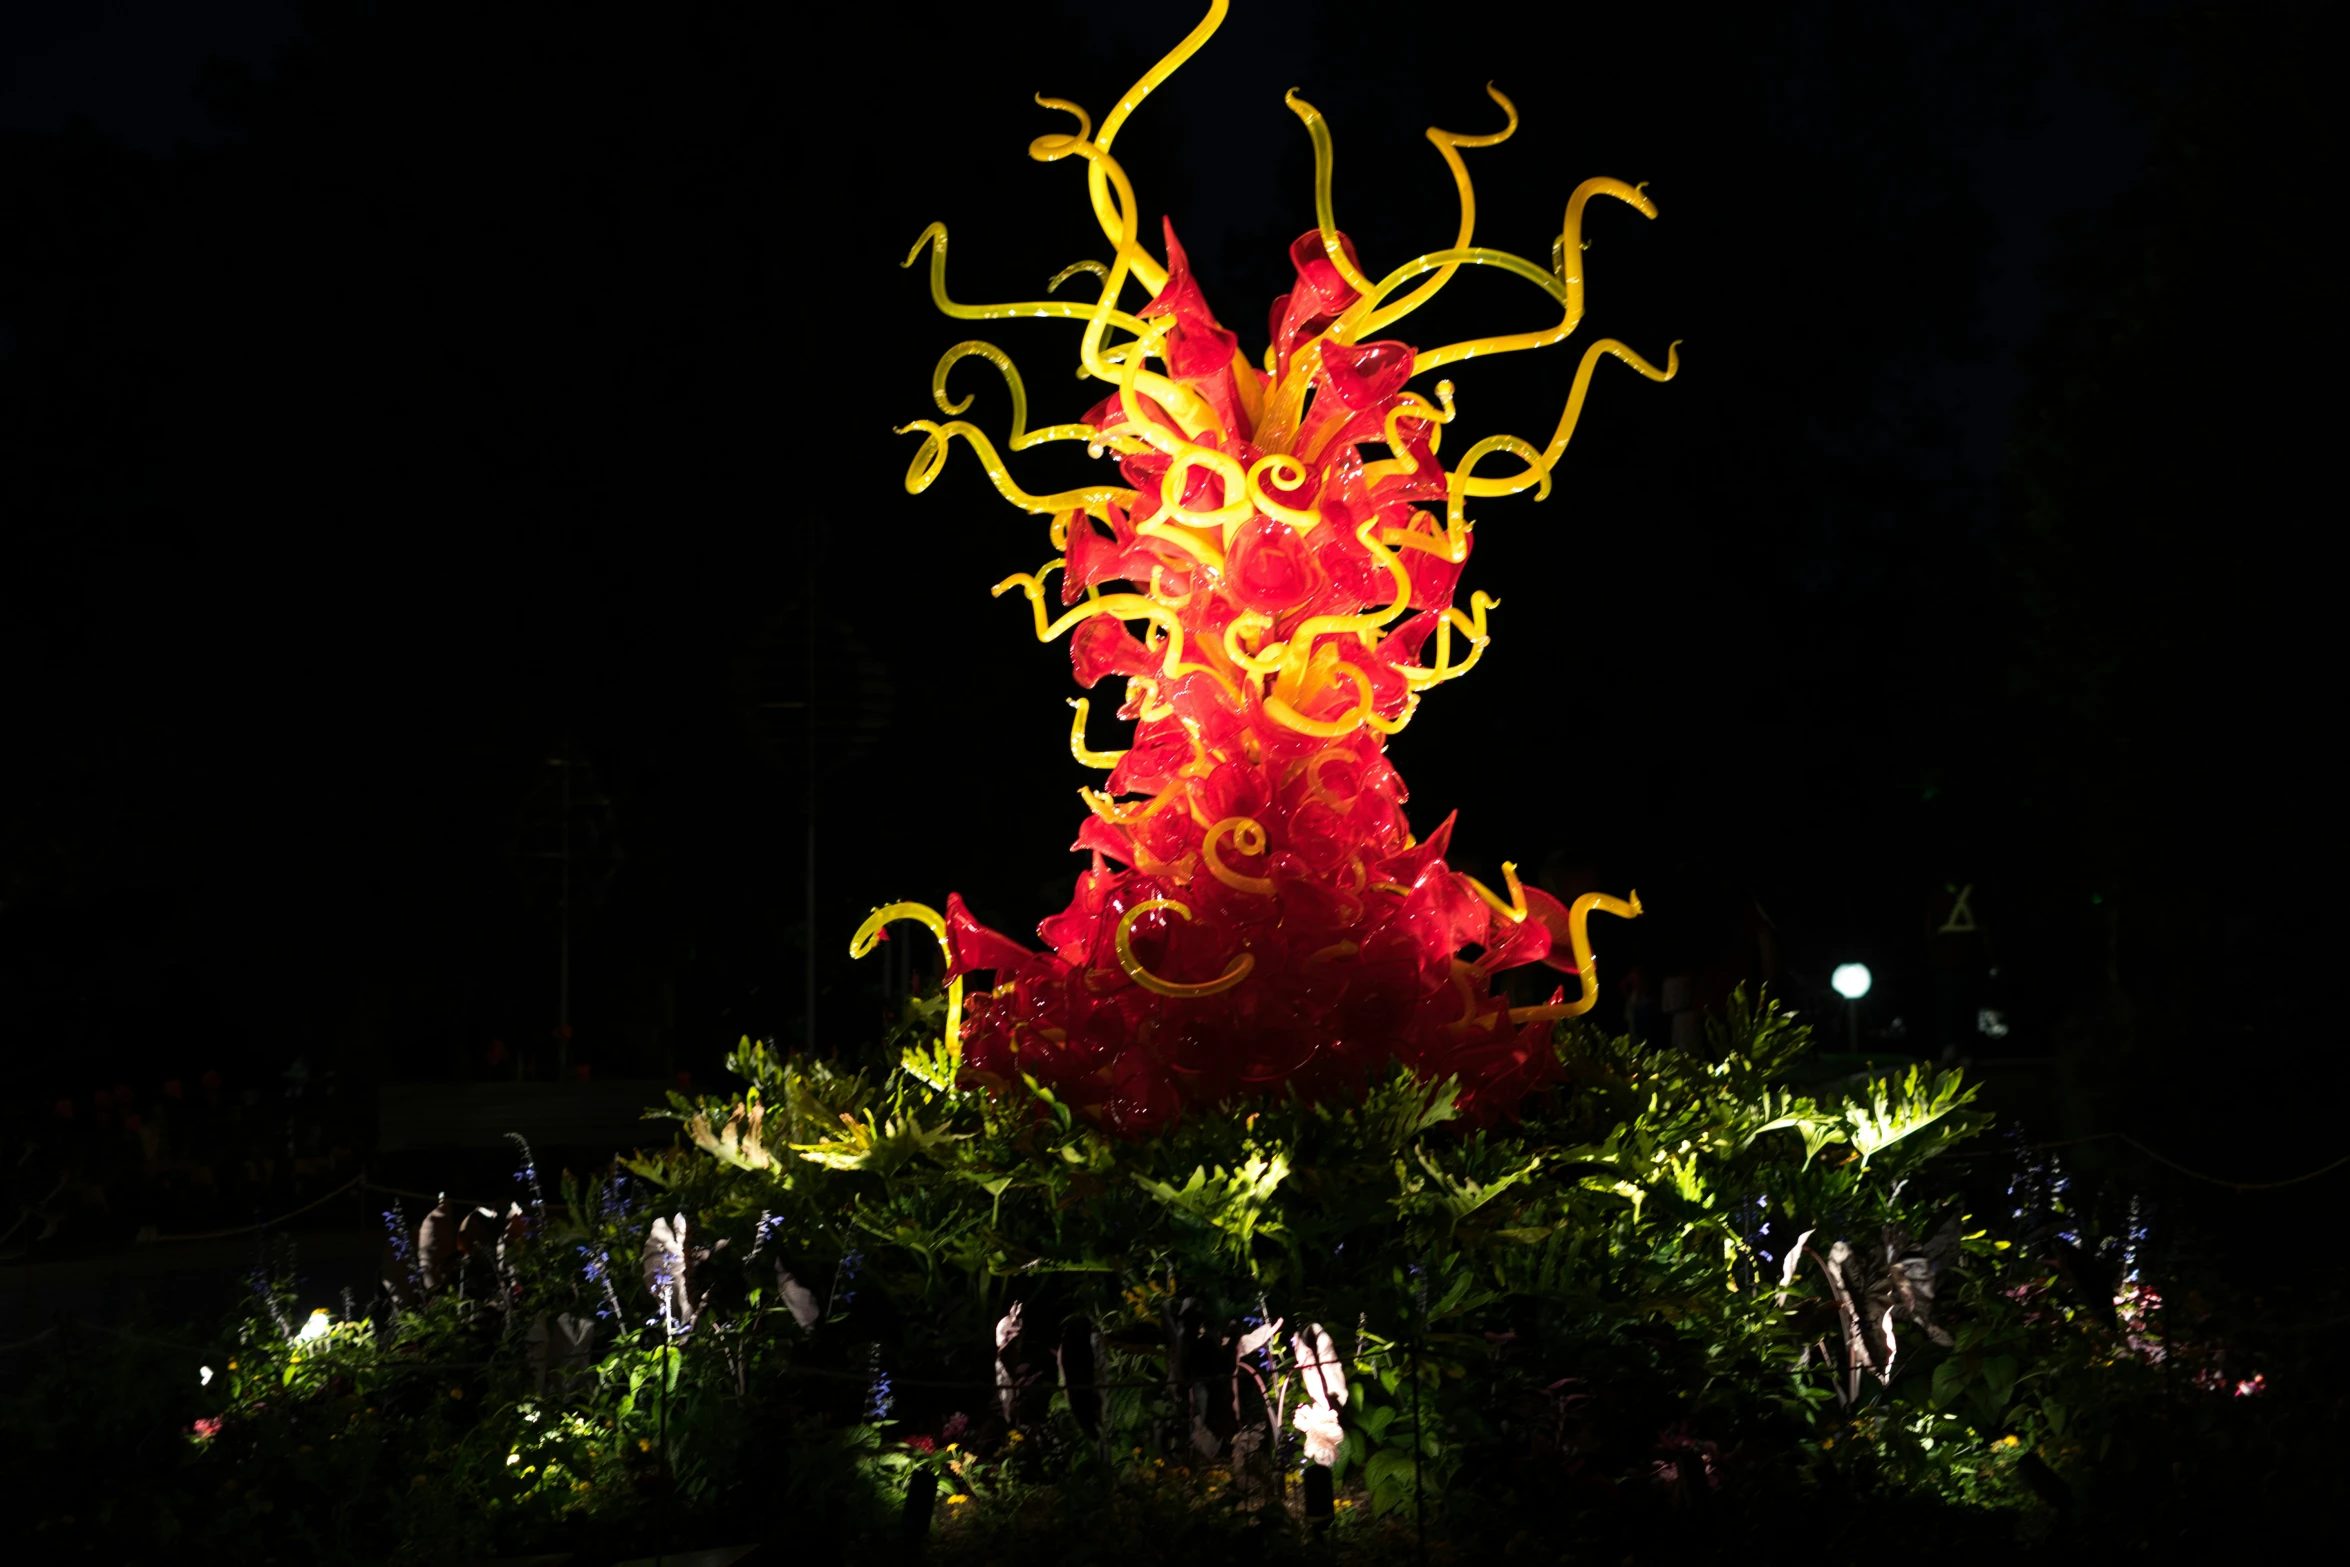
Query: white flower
(1317, 1364)
(1319, 1422)
(664, 1264)
(1257, 1338)
(1325, 1387)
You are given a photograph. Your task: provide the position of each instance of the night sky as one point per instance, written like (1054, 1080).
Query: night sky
(396, 396)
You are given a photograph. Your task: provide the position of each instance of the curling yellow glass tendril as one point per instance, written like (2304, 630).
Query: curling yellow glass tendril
(1288, 472)
(1281, 712)
(1178, 401)
(931, 457)
(1300, 647)
(1471, 626)
(1240, 968)
(1325, 214)
(1085, 754)
(1164, 594)
(1248, 624)
(1108, 809)
(1515, 909)
(1568, 288)
(1021, 437)
(1071, 270)
(1586, 966)
(869, 936)
(1409, 406)
(1193, 414)
(1364, 318)
(1142, 694)
(1125, 606)
(1248, 836)
(935, 236)
(1151, 274)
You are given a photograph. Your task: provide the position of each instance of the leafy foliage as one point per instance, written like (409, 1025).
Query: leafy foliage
(1677, 1282)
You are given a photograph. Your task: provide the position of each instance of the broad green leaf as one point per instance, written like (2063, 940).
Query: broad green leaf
(1899, 1108)
(1461, 1196)
(1950, 1380)
(1991, 1392)
(878, 1146)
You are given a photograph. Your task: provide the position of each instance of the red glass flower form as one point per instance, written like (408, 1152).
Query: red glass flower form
(1257, 912)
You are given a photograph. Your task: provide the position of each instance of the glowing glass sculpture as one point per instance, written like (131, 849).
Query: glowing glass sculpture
(1257, 912)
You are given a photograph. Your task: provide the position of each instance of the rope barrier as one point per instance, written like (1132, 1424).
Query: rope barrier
(128, 1337)
(360, 1181)
(216, 1235)
(124, 1334)
(2234, 1186)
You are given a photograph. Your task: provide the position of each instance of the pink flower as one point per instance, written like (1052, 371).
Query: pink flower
(205, 1428)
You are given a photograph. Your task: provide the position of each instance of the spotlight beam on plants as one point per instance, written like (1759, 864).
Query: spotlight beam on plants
(1287, 543)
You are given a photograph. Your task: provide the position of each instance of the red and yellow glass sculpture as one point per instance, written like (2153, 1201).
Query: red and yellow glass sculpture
(1277, 599)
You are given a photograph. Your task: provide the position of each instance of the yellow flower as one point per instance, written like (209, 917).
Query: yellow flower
(957, 1500)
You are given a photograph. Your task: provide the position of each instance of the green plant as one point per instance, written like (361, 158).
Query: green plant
(1677, 1273)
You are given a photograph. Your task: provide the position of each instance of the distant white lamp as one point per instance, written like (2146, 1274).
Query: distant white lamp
(315, 1328)
(1851, 981)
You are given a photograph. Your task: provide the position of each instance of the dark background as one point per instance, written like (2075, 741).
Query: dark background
(398, 397)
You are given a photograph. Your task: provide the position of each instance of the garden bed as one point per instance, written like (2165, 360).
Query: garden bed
(1677, 1300)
